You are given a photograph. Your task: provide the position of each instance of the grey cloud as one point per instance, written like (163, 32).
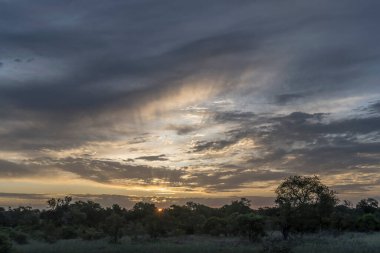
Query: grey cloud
(10, 169)
(233, 116)
(153, 158)
(374, 107)
(232, 180)
(298, 143)
(107, 171)
(103, 171)
(287, 98)
(122, 60)
(182, 129)
(113, 58)
(201, 146)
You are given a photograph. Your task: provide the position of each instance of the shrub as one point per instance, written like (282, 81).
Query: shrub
(251, 225)
(368, 222)
(91, 234)
(18, 237)
(68, 232)
(5, 244)
(215, 226)
(273, 245)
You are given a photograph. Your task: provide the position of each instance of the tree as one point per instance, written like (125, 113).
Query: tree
(238, 206)
(368, 205)
(305, 204)
(5, 244)
(251, 225)
(344, 216)
(368, 222)
(59, 203)
(215, 226)
(113, 225)
(141, 210)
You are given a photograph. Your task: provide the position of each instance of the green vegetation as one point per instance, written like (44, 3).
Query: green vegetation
(305, 218)
(312, 243)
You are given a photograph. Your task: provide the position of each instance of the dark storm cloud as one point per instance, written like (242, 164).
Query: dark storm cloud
(121, 55)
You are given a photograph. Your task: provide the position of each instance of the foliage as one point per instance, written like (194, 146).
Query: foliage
(215, 226)
(113, 226)
(251, 225)
(305, 204)
(18, 237)
(368, 205)
(368, 222)
(5, 243)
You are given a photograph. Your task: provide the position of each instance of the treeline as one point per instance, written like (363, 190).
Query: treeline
(303, 205)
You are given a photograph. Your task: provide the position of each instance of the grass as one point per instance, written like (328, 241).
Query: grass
(346, 243)
(171, 245)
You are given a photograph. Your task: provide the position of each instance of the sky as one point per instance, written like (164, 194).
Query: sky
(201, 100)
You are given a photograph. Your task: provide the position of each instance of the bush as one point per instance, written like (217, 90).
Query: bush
(251, 225)
(215, 226)
(69, 233)
(273, 245)
(91, 234)
(18, 237)
(368, 222)
(50, 232)
(5, 244)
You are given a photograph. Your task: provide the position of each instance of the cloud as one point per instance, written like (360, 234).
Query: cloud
(182, 129)
(296, 143)
(107, 200)
(113, 74)
(88, 77)
(287, 98)
(374, 107)
(153, 158)
(10, 169)
(101, 171)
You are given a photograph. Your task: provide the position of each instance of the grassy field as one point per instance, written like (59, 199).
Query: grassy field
(347, 243)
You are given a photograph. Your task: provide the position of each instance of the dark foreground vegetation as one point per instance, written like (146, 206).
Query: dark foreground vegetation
(307, 216)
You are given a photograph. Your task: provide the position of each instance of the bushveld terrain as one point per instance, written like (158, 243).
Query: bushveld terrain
(307, 217)
(326, 243)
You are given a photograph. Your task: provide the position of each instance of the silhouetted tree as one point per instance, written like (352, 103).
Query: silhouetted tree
(304, 202)
(215, 226)
(251, 225)
(368, 205)
(368, 222)
(238, 206)
(113, 226)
